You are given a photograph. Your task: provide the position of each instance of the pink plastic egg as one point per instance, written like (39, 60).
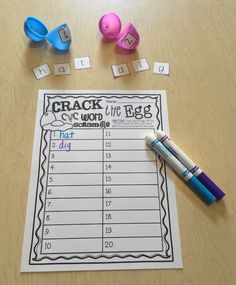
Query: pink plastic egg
(128, 38)
(110, 25)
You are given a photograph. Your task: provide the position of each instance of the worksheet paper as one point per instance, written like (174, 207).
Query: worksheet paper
(99, 197)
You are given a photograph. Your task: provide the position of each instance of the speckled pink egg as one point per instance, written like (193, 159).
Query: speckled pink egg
(110, 25)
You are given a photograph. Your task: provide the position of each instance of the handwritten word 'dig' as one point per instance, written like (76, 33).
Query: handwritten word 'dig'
(64, 145)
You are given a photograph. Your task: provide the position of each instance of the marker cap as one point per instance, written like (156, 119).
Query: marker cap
(35, 29)
(150, 138)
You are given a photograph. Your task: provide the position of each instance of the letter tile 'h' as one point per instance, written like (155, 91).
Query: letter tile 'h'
(41, 71)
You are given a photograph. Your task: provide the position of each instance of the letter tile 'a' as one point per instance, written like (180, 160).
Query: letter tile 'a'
(61, 69)
(120, 70)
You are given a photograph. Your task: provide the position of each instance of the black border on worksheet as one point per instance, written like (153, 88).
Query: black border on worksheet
(164, 182)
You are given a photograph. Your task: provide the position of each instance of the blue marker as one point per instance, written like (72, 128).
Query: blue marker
(180, 169)
(196, 171)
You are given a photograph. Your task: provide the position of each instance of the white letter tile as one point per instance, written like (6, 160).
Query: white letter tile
(61, 69)
(41, 71)
(161, 68)
(120, 70)
(82, 62)
(140, 65)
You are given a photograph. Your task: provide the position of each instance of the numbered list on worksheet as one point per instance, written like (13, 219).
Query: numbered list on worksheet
(100, 195)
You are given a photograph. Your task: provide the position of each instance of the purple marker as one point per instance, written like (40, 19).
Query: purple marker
(190, 165)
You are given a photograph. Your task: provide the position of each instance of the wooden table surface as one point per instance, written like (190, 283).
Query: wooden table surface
(198, 39)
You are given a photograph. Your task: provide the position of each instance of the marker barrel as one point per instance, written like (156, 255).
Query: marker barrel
(197, 172)
(210, 185)
(201, 190)
(180, 169)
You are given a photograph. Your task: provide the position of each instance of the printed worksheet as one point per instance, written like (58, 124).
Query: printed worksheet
(99, 197)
